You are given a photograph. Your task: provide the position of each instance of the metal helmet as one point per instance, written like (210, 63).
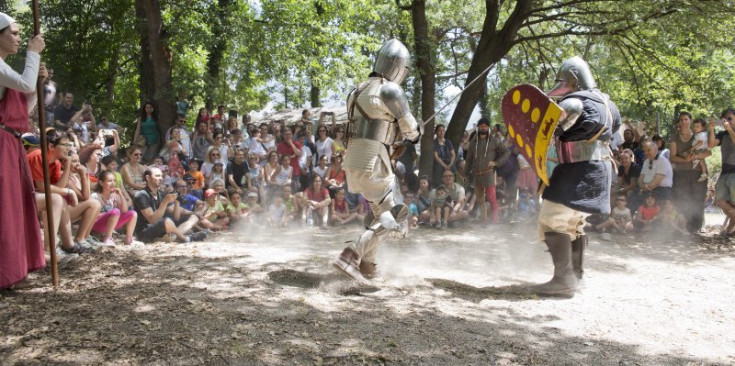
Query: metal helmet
(574, 75)
(393, 61)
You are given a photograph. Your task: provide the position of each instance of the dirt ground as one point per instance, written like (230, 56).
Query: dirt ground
(265, 297)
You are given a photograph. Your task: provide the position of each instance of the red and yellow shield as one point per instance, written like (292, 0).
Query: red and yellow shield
(531, 118)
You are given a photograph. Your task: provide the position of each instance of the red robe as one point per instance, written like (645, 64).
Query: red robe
(21, 247)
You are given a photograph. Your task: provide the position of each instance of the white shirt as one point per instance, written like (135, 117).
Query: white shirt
(303, 159)
(660, 165)
(25, 83)
(324, 148)
(701, 138)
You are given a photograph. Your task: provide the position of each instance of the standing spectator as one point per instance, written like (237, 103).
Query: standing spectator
(238, 177)
(21, 248)
(132, 171)
(324, 144)
(147, 126)
(201, 140)
(526, 175)
(160, 214)
(661, 144)
(444, 155)
(509, 172)
(65, 111)
(689, 194)
(725, 187)
(257, 147)
(114, 213)
(267, 140)
(49, 95)
(339, 145)
(656, 174)
(184, 138)
(485, 153)
(219, 118)
(182, 104)
(202, 116)
(174, 153)
(632, 141)
(292, 149)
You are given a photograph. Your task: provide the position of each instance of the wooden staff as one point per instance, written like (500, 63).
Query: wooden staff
(50, 234)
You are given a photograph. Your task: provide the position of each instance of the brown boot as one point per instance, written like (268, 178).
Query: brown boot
(349, 263)
(578, 246)
(564, 282)
(367, 269)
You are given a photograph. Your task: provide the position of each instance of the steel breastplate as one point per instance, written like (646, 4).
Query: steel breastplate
(576, 151)
(374, 129)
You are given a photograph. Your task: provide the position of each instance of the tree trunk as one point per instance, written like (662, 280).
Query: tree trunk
(217, 49)
(314, 95)
(156, 81)
(493, 45)
(113, 64)
(425, 65)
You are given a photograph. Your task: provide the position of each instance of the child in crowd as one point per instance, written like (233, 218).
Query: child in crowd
(441, 207)
(527, 204)
(277, 215)
(213, 214)
(413, 211)
(217, 173)
(255, 210)
(198, 176)
(222, 195)
(671, 220)
(321, 168)
(339, 211)
(700, 145)
(237, 209)
(109, 163)
(292, 205)
(621, 220)
(646, 215)
(168, 180)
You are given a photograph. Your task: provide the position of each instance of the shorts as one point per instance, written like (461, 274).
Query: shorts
(557, 218)
(725, 188)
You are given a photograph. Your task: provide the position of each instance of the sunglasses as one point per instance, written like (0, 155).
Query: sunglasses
(214, 155)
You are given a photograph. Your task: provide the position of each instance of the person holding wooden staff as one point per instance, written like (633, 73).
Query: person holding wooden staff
(485, 153)
(21, 247)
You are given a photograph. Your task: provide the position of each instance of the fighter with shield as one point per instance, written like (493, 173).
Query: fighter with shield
(582, 124)
(379, 121)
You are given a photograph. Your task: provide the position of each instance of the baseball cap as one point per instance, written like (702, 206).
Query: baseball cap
(30, 139)
(252, 194)
(209, 192)
(188, 177)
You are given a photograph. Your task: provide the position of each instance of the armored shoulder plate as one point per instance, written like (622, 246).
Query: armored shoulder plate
(394, 99)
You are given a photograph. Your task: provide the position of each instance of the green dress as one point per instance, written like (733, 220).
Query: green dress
(149, 129)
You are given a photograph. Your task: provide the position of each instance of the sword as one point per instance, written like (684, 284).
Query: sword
(458, 94)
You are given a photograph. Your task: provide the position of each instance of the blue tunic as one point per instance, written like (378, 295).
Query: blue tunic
(585, 186)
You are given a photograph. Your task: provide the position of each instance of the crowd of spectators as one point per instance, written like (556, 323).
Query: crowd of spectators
(182, 185)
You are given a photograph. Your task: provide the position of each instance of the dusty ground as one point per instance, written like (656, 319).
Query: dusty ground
(269, 298)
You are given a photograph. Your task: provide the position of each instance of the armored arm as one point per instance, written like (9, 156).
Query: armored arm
(395, 101)
(572, 108)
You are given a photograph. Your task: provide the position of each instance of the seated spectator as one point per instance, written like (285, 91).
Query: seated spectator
(322, 168)
(160, 214)
(109, 163)
(257, 176)
(315, 200)
(199, 181)
(656, 177)
(237, 209)
(174, 152)
(628, 174)
(255, 210)
(257, 146)
(222, 194)
(335, 176)
(91, 156)
(114, 213)
(188, 201)
(423, 199)
(292, 204)
(277, 216)
(132, 171)
(216, 174)
(305, 161)
(86, 210)
(413, 211)
(647, 214)
(621, 220)
(213, 156)
(340, 213)
(213, 215)
(282, 176)
(238, 177)
(671, 221)
(527, 204)
(190, 187)
(58, 149)
(441, 207)
(456, 195)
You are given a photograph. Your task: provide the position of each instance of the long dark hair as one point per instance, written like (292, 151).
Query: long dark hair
(101, 178)
(144, 116)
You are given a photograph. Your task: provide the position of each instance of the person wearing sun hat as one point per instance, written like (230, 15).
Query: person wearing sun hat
(21, 246)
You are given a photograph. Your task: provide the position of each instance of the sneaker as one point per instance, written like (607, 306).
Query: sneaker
(108, 242)
(200, 236)
(77, 248)
(92, 242)
(65, 260)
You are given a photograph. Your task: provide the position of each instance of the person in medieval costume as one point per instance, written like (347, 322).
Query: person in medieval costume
(580, 185)
(380, 121)
(485, 153)
(21, 248)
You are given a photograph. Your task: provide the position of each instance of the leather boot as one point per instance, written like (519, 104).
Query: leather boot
(578, 246)
(349, 263)
(367, 269)
(564, 282)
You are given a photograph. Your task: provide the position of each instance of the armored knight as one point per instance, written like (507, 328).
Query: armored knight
(580, 185)
(380, 120)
